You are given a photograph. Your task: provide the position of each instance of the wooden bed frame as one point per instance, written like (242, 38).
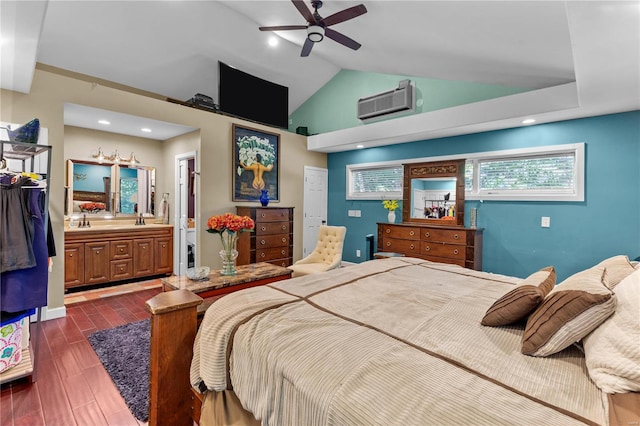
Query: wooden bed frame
(174, 321)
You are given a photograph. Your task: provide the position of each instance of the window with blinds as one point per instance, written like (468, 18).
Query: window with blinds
(375, 182)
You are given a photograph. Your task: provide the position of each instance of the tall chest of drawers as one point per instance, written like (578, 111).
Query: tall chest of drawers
(447, 244)
(272, 239)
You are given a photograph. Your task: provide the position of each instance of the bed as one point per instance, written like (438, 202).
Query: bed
(393, 341)
(90, 202)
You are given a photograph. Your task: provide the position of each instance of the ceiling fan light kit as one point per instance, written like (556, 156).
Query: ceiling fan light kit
(317, 26)
(315, 33)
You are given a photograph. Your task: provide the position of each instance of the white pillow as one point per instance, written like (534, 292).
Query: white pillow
(612, 351)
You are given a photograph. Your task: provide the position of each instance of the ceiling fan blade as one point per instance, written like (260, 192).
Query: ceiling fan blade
(344, 15)
(342, 39)
(283, 28)
(306, 48)
(304, 11)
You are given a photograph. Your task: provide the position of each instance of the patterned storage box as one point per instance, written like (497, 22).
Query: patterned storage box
(11, 344)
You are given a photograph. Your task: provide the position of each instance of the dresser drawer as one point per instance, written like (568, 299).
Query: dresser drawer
(267, 254)
(401, 232)
(450, 251)
(265, 241)
(444, 236)
(121, 249)
(281, 262)
(121, 269)
(407, 247)
(269, 228)
(272, 215)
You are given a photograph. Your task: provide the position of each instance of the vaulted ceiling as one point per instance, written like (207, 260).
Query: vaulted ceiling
(172, 48)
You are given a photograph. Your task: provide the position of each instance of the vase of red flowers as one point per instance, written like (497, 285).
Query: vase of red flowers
(229, 226)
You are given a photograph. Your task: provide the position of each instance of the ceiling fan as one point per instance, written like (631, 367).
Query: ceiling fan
(317, 27)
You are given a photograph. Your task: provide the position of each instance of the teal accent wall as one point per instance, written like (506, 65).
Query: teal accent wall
(335, 105)
(607, 223)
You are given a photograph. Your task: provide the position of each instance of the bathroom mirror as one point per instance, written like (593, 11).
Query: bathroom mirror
(103, 189)
(433, 193)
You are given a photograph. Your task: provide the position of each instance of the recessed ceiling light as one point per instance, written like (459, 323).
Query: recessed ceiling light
(360, 146)
(146, 129)
(273, 41)
(528, 121)
(105, 122)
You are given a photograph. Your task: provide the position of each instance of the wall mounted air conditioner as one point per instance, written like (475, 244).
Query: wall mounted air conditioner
(400, 99)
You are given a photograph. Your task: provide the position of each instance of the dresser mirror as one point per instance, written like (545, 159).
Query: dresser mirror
(433, 193)
(109, 189)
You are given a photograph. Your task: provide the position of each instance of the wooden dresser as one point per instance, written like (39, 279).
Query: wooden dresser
(447, 244)
(272, 239)
(109, 254)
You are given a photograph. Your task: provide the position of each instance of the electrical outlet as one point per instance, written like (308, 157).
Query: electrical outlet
(545, 222)
(357, 253)
(358, 213)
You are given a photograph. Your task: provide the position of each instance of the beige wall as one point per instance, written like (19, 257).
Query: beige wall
(49, 92)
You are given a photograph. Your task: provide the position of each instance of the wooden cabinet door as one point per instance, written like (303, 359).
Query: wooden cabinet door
(73, 265)
(163, 255)
(96, 262)
(143, 257)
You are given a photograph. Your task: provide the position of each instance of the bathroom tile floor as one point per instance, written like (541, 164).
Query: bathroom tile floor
(101, 293)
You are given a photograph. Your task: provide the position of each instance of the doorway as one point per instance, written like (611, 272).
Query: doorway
(185, 231)
(315, 206)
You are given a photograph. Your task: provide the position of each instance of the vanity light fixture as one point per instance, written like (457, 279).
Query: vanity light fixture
(115, 157)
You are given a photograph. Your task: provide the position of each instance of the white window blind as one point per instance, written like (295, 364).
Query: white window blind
(547, 173)
(375, 182)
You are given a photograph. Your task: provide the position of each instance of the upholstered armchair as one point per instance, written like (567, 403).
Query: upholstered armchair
(326, 256)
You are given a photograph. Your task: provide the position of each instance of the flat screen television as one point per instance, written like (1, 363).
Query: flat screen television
(247, 96)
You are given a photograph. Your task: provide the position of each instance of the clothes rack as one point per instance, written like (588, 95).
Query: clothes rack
(23, 155)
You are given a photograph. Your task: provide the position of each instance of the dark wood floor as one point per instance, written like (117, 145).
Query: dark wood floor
(72, 387)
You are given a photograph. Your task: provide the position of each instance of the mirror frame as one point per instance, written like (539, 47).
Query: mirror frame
(436, 169)
(113, 197)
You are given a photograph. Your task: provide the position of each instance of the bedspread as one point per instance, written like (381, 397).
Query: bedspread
(391, 342)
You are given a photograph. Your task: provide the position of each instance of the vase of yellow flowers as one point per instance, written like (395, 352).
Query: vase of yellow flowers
(392, 206)
(229, 226)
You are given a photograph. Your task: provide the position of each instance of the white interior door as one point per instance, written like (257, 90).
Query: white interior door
(184, 238)
(315, 206)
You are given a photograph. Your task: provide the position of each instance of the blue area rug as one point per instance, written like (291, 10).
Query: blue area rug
(124, 352)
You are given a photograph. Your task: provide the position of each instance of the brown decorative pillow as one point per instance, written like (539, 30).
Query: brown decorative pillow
(573, 309)
(618, 267)
(522, 300)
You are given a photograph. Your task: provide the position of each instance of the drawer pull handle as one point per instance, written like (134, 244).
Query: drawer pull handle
(411, 233)
(388, 243)
(71, 255)
(284, 227)
(427, 248)
(98, 252)
(282, 252)
(426, 234)
(456, 251)
(164, 246)
(284, 240)
(261, 254)
(264, 228)
(263, 242)
(388, 231)
(263, 215)
(412, 246)
(121, 269)
(121, 250)
(456, 236)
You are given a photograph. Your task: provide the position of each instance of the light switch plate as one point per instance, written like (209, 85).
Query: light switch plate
(545, 222)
